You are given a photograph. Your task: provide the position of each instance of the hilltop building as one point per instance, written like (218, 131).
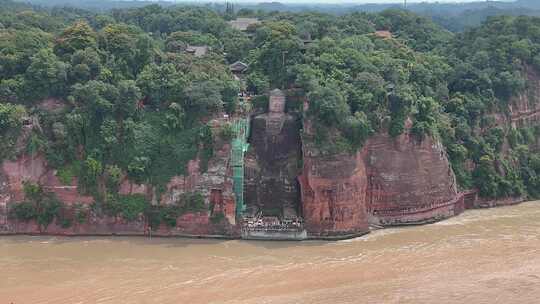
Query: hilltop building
(238, 69)
(383, 34)
(242, 24)
(198, 50)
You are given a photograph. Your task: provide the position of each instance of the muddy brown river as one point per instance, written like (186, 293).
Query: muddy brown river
(483, 256)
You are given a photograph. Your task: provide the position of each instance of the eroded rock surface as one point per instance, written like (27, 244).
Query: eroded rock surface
(525, 107)
(409, 181)
(34, 169)
(334, 194)
(391, 181)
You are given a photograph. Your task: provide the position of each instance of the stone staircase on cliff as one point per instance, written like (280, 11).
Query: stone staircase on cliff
(239, 148)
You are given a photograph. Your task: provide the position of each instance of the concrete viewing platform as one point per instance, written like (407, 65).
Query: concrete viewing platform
(273, 228)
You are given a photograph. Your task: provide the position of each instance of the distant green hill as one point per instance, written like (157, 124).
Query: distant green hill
(100, 5)
(528, 3)
(453, 16)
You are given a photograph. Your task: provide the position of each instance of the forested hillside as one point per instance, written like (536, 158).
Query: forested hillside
(116, 93)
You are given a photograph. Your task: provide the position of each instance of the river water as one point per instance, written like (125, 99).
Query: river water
(483, 256)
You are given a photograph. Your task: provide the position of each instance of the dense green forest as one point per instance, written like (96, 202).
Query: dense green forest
(133, 101)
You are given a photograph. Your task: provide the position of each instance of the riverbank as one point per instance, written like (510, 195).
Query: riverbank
(140, 230)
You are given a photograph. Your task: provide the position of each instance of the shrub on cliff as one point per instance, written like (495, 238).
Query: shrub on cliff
(47, 211)
(132, 206)
(90, 172)
(67, 173)
(129, 207)
(426, 117)
(227, 132)
(23, 211)
(357, 129)
(11, 118)
(217, 218)
(113, 174)
(192, 202)
(41, 206)
(81, 213)
(156, 215)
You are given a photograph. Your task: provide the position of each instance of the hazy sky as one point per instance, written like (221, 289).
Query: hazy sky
(340, 1)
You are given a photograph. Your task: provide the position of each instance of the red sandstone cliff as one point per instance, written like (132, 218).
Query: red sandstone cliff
(34, 169)
(525, 107)
(215, 185)
(391, 181)
(409, 181)
(334, 194)
(333, 190)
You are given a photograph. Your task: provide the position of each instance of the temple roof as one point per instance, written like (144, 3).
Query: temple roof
(238, 66)
(242, 24)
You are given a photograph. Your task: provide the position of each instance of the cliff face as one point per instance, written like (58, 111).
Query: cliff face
(523, 112)
(4, 199)
(334, 194)
(34, 169)
(391, 181)
(409, 182)
(271, 164)
(525, 107)
(215, 185)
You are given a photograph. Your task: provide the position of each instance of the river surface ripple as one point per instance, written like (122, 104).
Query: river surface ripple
(483, 256)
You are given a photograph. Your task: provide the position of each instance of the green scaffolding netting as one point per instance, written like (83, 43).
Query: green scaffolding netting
(239, 148)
